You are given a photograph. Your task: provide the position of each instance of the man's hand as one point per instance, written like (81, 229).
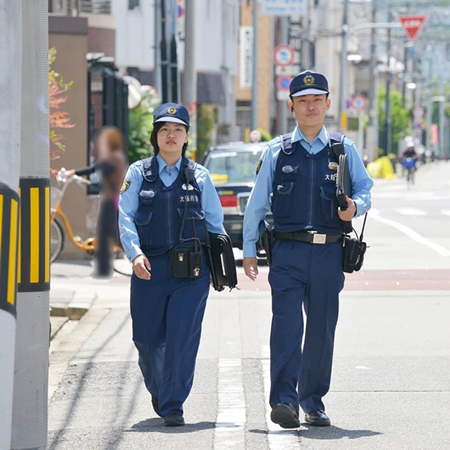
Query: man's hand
(350, 212)
(251, 268)
(142, 267)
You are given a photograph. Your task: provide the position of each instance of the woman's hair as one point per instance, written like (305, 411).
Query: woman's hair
(154, 138)
(113, 138)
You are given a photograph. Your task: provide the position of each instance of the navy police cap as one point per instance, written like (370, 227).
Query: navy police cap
(308, 83)
(171, 112)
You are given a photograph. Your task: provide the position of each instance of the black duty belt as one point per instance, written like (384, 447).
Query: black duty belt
(313, 237)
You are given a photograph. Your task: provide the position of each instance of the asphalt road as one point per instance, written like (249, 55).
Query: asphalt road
(391, 383)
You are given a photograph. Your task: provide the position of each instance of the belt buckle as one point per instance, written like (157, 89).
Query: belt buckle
(319, 238)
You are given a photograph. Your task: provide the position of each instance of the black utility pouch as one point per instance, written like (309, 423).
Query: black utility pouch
(186, 261)
(354, 251)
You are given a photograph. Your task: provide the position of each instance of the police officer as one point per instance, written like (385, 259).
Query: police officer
(157, 197)
(296, 178)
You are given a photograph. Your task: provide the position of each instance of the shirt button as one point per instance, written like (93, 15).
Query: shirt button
(170, 174)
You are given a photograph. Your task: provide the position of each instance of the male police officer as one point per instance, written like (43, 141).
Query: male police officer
(296, 178)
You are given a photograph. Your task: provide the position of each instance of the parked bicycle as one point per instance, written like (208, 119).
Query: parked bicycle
(60, 223)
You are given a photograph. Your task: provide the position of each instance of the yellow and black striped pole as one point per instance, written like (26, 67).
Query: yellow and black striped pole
(34, 246)
(9, 221)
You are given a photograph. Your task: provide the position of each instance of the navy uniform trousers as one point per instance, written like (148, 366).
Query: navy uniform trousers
(167, 314)
(309, 276)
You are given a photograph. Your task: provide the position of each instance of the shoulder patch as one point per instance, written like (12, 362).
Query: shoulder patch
(125, 185)
(258, 166)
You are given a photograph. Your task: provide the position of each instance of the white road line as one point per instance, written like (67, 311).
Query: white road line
(445, 212)
(411, 212)
(279, 439)
(412, 234)
(231, 418)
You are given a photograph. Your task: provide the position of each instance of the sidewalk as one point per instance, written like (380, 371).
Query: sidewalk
(72, 292)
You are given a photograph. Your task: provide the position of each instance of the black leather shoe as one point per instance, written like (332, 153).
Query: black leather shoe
(317, 419)
(174, 420)
(155, 405)
(285, 415)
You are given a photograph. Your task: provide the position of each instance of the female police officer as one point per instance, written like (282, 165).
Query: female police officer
(297, 178)
(165, 200)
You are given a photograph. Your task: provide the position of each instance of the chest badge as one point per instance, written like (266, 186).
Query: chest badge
(188, 187)
(333, 166)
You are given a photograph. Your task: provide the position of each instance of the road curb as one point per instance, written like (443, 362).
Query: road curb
(71, 304)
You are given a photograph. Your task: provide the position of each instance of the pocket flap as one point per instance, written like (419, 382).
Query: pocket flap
(143, 216)
(328, 192)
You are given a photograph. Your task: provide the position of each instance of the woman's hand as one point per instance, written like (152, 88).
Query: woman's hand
(69, 173)
(142, 267)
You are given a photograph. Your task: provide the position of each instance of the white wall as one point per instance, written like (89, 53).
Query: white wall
(216, 43)
(134, 35)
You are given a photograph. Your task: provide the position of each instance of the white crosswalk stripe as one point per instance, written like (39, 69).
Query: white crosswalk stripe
(279, 439)
(229, 432)
(445, 212)
(411, 212)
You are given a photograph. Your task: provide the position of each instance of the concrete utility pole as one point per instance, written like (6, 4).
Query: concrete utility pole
(388, 120)
(254, 121)
(372, 141)
(442, 123)
(190, 70)
(30, 403)
(429, 102)
(343, 77)
(10, 94)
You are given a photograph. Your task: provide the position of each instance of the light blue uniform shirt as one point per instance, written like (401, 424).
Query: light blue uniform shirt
(129, 202)
(259, 202)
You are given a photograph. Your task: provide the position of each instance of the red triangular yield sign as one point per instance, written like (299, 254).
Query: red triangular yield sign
(412, 25)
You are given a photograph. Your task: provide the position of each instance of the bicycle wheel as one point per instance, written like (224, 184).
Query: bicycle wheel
(56, 240)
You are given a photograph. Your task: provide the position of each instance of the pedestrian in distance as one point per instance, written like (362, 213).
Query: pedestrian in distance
(408, 159)
(167, 206)
(296, 179)
(110, 166)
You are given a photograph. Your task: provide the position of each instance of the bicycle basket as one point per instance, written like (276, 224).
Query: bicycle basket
(409, 163)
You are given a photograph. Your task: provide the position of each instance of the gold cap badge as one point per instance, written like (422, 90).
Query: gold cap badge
(309, 79)
(172, 110)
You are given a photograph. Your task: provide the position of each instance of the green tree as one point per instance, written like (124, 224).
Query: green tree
(400, 118)
(140, 128)
(205, 125)
(140, 125)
